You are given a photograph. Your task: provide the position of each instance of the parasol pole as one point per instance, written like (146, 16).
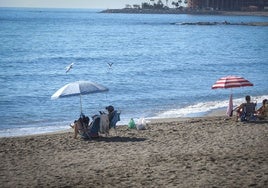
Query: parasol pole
(81, 104)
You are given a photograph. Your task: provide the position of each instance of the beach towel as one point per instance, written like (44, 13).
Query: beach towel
(230, 107)
(104, 124)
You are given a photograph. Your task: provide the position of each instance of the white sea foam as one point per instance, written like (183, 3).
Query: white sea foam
(202, 108)
(142, 82)
(23, 131)
(198, 109)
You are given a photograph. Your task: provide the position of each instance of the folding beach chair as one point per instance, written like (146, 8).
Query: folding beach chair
(249, 112)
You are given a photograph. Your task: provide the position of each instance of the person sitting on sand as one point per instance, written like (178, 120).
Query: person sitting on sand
(110, 110)
(81, 127)
(85, 120)
(114, 117)
(245, 110)
(78, 128)
(262, 112)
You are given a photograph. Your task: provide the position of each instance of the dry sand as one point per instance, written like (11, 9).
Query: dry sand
(195, 152)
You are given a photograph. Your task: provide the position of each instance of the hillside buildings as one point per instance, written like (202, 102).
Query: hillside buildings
(229, 5)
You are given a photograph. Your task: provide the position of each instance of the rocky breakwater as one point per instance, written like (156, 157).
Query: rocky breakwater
(224, 23)
(184, 11)
(159, 11)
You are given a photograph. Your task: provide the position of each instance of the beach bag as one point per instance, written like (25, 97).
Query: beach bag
(131, 124)
(141, 124)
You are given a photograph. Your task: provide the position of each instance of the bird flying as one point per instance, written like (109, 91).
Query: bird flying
(110, 65)
(68, 68)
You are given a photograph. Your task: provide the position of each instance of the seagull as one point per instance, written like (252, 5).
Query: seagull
(110, 65)
(68, 68)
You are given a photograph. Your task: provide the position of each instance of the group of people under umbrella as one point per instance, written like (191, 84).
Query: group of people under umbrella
(101, 123)
(246, 111)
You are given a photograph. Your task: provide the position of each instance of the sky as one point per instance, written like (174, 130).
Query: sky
(101, 4)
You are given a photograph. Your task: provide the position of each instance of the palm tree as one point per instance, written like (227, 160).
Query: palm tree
(179, 2)
(152, 1)
(173, 3)
(185, 2)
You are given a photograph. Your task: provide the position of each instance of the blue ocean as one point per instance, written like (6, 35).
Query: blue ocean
(160, 68)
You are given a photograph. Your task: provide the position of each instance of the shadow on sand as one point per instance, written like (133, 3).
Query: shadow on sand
(258, 122)
(118, 139)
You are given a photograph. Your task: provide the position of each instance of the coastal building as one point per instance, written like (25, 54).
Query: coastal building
(228, 5)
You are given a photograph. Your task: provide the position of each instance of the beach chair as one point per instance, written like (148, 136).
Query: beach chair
(94, 127)
(249, 112)
(115, 117)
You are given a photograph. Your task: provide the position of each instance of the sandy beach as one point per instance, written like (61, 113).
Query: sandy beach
(193, 152)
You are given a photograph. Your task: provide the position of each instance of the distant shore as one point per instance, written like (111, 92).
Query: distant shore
(177, 11)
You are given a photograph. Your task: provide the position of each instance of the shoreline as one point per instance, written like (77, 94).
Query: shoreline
(196, 152)
(176, 11)
(213, 113)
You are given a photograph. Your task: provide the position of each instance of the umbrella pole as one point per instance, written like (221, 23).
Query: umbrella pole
(81, 104)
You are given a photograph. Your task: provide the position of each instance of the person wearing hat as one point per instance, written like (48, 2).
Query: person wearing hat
(110, 110)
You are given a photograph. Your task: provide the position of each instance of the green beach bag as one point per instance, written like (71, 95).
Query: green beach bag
(131, 124)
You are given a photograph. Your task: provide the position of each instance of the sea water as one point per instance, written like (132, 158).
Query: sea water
(161, 69)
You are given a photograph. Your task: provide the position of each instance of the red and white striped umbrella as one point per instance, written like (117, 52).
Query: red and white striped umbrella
(231, 82)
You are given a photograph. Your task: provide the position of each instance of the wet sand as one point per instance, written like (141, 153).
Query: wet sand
(193, 152)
